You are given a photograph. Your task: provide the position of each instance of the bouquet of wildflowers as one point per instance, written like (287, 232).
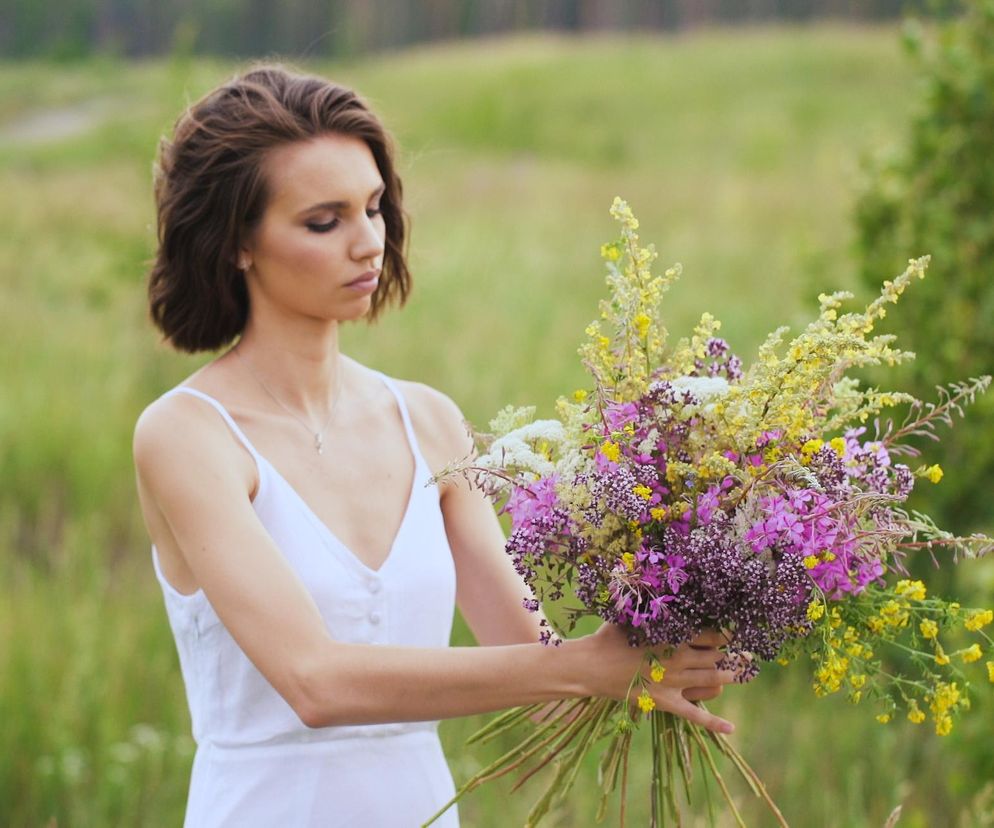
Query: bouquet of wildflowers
(683, 492)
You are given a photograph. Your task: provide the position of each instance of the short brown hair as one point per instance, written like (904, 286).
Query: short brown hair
(210, 189)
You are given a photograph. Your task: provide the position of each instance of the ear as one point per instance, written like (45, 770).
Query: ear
(243, 258)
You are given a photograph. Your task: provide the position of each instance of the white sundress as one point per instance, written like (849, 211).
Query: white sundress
(256, 763)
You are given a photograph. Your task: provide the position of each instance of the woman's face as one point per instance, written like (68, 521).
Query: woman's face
(318, 248)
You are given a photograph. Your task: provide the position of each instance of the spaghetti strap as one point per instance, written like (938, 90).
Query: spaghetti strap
(405, 416)
(224, 414)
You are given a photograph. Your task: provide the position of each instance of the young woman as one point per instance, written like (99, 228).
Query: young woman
(309, 574)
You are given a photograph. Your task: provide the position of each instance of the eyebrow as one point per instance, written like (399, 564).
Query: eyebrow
(341, 205)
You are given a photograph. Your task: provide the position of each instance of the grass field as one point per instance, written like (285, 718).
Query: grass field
(739, 151)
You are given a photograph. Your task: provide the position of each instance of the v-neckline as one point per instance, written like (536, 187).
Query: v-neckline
(323, 527)
(311, 515)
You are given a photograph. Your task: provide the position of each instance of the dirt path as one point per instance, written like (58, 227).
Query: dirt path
(55, 123)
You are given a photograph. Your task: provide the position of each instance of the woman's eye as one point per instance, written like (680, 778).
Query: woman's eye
(373, 212)
(322, 228)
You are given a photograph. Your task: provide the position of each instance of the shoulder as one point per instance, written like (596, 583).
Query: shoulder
(180, 433)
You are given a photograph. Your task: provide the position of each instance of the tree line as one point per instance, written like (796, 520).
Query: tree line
(340, 28)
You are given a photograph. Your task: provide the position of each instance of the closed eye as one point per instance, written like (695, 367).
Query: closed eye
(322, 228)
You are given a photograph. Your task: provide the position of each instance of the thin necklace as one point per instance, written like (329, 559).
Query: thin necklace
(318, 435)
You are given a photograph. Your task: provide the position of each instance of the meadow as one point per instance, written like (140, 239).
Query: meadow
(739, 151)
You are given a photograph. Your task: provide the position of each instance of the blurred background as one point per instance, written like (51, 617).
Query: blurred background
(776, 148)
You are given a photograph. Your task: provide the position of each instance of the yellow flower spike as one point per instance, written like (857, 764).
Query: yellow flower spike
(978, 619)
(658, 513)
(971, 654)
(642, 491)
(658, 673)
(883, 718)
(943, 726)
(628, 559)
(929, 628)
(916, 715)
(645, 702)
(990, 671)
(940, 655)
(858, 681)
(816, 609)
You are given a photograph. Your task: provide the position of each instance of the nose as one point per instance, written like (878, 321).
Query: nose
(369, 238)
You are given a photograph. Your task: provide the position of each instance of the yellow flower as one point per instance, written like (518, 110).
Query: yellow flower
(971, 654)
(940, 655)
(580, 395)
(916, 714)
(816, 609)
(990, 671)
(643, 491)
(628, 559)
(943, 725)
(929, 628)
(858, 681)
(883, 718)
(838, 445)
(658, 673)
(912, 590)
(810, 562)
(658, 513)
(934, 473)
(981, 618)
(611, 252)
(642, 322)
(611, 451)
(646, 703)
(809, 448)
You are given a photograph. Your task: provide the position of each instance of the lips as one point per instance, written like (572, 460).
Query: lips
(366, 278)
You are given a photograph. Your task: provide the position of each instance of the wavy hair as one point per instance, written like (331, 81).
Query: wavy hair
(210, 191)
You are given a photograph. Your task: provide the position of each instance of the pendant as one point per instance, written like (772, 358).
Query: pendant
(318, 444)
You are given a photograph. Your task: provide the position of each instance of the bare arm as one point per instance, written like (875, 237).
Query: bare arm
(187, 470)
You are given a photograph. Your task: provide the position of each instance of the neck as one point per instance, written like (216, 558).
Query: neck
(300, 365)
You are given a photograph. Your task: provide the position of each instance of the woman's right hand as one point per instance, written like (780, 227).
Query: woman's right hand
(690, 673)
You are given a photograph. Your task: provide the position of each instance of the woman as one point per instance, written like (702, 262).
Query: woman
(309, 573)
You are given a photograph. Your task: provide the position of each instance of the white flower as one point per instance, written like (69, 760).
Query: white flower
(515, 455)
(549, 430)
(703, 388)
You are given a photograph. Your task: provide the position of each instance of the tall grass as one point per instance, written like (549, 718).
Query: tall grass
(738, 150)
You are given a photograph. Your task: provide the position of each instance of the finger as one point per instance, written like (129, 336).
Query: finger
(701, 693)
(704, 677)
(709, 638)
(698, 715)
(691, 658)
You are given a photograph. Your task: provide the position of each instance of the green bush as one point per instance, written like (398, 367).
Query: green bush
(936, 195)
